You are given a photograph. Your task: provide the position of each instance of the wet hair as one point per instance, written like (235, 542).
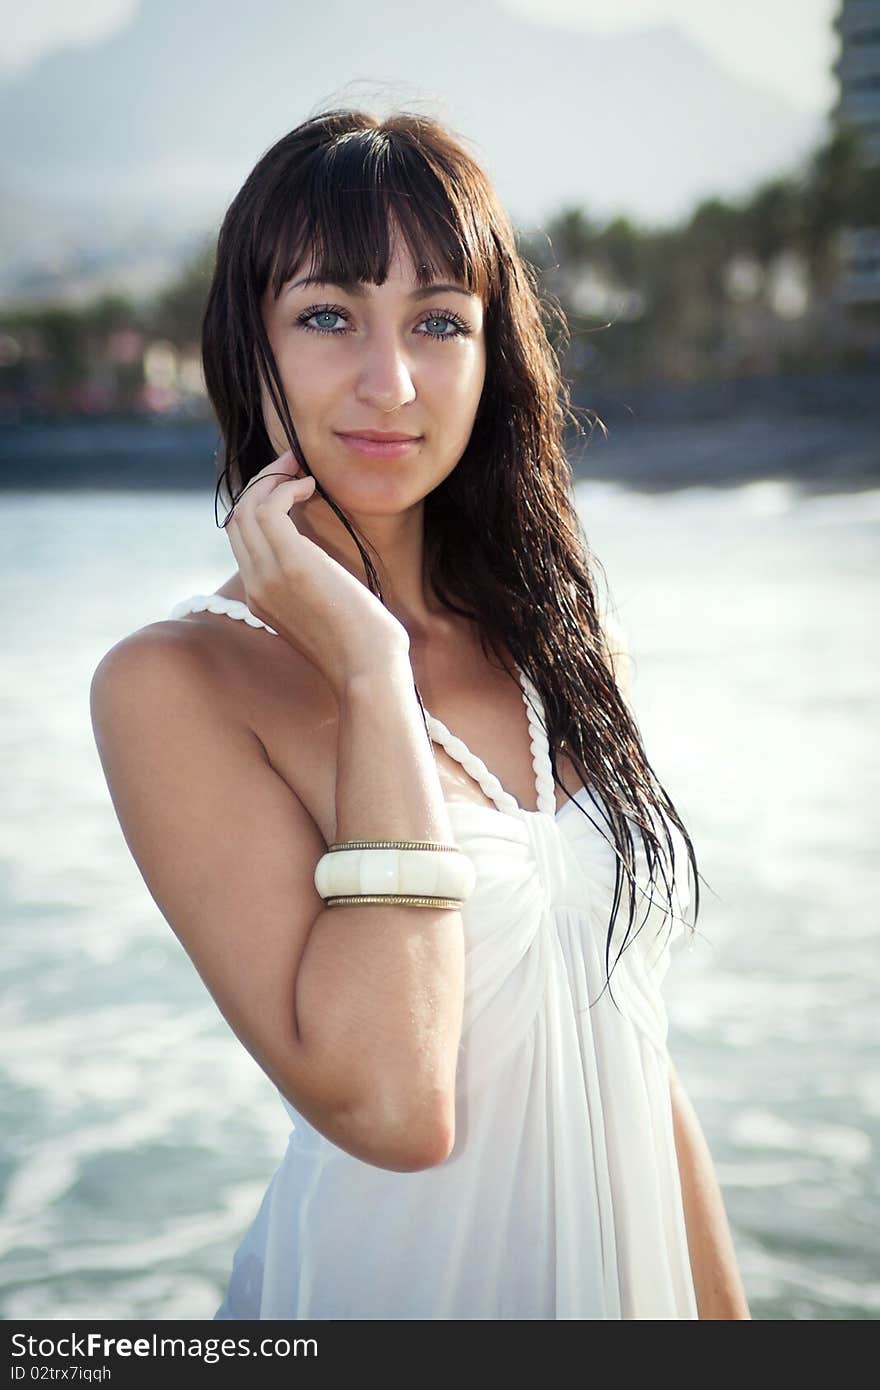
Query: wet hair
(503, 542)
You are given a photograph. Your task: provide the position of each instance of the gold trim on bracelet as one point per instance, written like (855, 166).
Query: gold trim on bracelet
(389, 844)
(404, 900)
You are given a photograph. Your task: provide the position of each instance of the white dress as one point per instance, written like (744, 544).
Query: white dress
(561, 1197)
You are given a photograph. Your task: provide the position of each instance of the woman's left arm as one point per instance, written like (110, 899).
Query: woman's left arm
(717, 1283)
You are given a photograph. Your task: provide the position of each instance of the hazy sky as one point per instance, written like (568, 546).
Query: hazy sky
(788, 45)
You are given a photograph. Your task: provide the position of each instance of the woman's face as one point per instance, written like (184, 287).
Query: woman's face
(390, 358)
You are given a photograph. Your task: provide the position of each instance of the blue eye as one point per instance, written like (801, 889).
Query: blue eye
(460, 327)
(318, 311)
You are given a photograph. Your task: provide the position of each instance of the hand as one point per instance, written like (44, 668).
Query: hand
(310, 600)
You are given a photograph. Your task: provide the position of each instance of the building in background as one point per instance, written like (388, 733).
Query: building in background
(858, 106)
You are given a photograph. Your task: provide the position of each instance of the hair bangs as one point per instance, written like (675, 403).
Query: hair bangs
(340, 223)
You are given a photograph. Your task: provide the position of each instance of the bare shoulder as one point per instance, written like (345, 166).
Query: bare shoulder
(171, 660)
(159, 705)
(165, 643)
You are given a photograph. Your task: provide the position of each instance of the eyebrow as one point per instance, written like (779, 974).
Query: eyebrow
(355, 287)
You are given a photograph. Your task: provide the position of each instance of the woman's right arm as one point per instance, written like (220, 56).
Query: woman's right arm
(354, 1012)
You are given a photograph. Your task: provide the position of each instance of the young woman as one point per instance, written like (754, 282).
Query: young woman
(399, 813)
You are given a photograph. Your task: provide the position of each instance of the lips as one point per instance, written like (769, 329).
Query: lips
(380, 436)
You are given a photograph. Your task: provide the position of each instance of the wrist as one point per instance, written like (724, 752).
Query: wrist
(376, 673)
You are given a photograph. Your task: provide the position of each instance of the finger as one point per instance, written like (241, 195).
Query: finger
(242, 556)
(273, 515)
(267, 554)
(262, 483)
(253, 556)
(260, 555)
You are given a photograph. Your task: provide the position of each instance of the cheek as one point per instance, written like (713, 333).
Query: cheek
(475, 380)
(480, 376)
(273, 425)
(297, 392)
(458, 372)
(476, 366)
(308, 382)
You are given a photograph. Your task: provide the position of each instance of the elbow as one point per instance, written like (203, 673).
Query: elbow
(424, 1141)
(405, 1142)
(415, 1156)
(377, 1119)
(401, 1146)
(436, 1148)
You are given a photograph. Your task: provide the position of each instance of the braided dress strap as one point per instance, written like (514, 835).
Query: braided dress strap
(218, 603)
(487, 780)
(544, 784)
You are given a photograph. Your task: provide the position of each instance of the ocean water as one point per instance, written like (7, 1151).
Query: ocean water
(137, 1134)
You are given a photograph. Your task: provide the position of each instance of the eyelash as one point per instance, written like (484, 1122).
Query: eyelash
(462, 328)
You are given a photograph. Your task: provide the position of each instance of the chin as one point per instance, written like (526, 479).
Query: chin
(379, 496)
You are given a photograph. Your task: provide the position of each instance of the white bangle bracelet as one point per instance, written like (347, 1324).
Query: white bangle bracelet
(393, 870)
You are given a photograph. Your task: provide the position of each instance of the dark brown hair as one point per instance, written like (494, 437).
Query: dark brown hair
(503, 541)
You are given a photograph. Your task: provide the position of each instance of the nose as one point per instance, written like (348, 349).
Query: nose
(385, 381)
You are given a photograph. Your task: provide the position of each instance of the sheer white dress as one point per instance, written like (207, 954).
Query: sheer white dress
(561, 1197)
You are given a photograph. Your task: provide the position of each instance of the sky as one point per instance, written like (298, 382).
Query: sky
(785, 45)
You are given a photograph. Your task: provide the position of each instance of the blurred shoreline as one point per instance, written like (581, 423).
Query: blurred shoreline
(821, 431)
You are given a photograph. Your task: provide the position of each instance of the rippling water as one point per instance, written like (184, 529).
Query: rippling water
(139, 1135)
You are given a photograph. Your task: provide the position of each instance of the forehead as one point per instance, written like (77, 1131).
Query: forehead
(358, 216)
(364, 291)
(378, 261)
(402, 277)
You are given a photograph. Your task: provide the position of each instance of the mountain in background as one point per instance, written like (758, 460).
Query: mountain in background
(121, 154)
